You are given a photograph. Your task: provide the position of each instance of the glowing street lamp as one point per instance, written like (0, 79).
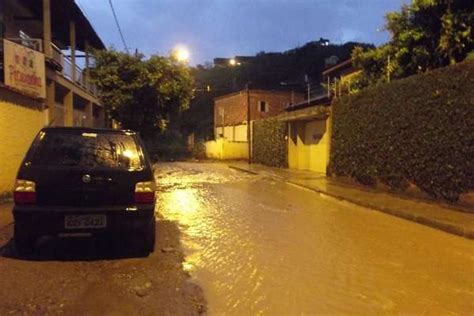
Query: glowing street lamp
(181, 53)
(233, 62)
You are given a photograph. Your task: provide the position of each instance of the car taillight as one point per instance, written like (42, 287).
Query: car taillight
(145, 192)
(24, 192)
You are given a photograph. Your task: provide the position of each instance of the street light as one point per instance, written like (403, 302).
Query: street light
(233, 62)
(181, 53)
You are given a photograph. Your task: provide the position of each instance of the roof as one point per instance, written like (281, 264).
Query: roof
(318, 100)
(345, 64)
(87, 130)
(255, 91)
(316, 112)
(63, 11)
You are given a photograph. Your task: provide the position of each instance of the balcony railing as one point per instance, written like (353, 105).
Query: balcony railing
(72, 72)
(63, 64)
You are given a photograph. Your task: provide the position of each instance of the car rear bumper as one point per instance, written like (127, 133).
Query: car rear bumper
(51, 220)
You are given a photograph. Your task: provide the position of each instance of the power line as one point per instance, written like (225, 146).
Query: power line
(118, 26)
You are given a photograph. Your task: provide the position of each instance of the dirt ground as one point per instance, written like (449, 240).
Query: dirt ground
(94, 277)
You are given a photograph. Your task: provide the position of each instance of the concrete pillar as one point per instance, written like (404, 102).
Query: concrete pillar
(48, 50)
(51, 103)
(89, 114)
(102, 118)
(87, 73)
(72, 44)
(329, 123)
(68, 102)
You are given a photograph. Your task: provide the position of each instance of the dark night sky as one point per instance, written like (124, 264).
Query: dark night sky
(225, 28)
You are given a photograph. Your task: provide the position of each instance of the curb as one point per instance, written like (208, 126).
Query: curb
(426, 221)
(243, 170)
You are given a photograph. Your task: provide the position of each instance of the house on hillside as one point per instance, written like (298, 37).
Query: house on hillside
(43, 46)
(231, 110)
(231, 117)
(340, 77)
(229, 62)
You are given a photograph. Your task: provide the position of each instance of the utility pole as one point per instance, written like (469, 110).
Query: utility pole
(249, 134)
(309, 92)
(308, 87)
(388, 68)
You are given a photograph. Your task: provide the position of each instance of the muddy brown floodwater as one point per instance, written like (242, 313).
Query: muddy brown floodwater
(260, 246)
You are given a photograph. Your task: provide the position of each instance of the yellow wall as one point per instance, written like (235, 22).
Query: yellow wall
(18, 127)
(292, 146)
(240, 133)
(306, 150)
(223, 149)
(303, 150)
(317, 147)
(229, 132)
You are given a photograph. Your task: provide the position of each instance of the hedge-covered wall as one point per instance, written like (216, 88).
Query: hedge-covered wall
(419, 130)
(269, 146)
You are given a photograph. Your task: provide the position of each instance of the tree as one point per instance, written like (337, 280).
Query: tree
(142, 94)
(426, 34)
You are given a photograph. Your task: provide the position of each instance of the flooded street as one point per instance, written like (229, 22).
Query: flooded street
(260, 246)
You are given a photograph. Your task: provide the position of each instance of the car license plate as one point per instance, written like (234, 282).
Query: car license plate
(85, 221)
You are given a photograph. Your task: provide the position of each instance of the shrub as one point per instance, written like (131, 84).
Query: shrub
(170, 145)
(269, 146)
(199, 150)
(419, 130)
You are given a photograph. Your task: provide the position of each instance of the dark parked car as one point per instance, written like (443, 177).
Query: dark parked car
(84, 180)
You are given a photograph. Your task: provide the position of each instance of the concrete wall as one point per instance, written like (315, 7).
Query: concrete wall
(233, 133)
(308, 145)
(229, 132)
(18, 126)
(223, 149)
(240, 133)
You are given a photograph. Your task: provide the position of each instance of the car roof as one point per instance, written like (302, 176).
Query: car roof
(87, 130)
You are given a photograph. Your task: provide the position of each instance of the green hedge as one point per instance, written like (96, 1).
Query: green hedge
(419, 130)
(269, 146)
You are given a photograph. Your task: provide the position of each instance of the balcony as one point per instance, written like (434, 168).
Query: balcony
(74, 73)
(61, 63)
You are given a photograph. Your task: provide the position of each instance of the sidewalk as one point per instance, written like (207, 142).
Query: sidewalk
(432, 214)
(6, 216)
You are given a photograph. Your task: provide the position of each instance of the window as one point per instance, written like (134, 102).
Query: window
(262, 106)
(107, 150)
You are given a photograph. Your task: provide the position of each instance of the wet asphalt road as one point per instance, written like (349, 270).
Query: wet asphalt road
(254, 245)
(260, 246)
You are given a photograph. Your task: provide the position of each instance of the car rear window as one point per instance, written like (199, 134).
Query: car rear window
(87, 150)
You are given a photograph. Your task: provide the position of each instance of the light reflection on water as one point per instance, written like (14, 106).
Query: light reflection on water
(183, 205)
(261, 248)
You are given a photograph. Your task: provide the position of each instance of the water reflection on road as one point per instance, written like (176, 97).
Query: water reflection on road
(259, 246)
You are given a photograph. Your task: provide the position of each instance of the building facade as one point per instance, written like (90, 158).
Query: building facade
(310, 121)
(45, 60)
(231, 119)
(230, 111)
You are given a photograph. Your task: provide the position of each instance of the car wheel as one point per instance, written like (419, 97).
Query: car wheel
(149, 240)
(24, 240)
